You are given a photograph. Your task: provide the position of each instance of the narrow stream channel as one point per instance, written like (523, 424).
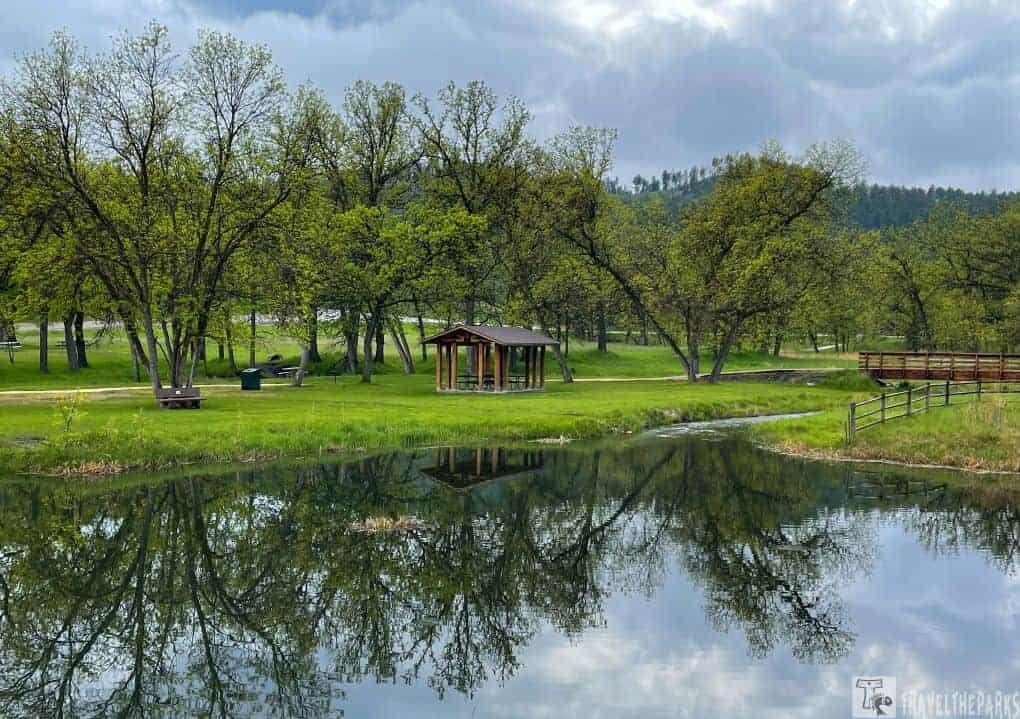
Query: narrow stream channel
(654, 577)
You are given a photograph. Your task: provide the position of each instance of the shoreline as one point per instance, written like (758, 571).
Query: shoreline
(120, 435)
(843, 459)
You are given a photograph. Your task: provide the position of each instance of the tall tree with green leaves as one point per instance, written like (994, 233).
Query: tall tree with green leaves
(387, 257)
(477, 156)
(169, 167)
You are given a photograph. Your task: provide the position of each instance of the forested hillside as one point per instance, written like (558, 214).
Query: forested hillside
(871, 206)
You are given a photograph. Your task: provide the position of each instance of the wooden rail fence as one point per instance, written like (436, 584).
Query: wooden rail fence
(917, 400)
(952, 366)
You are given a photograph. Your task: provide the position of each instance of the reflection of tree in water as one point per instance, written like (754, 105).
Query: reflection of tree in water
(767, 564)
(983, 515)
(257, 595)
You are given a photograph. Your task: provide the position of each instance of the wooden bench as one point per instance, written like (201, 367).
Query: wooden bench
(183, 398)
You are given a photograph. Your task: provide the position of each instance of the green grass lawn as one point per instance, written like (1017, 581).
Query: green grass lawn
(110, 361)
(981, 435)
(623, 360)
(395, 411)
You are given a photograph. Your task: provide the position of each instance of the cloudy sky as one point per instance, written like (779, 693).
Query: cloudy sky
(928, 90)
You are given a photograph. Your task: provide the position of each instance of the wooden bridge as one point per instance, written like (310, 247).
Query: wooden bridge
(951, 366)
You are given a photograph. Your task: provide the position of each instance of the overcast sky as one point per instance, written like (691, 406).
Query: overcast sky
(928, 90)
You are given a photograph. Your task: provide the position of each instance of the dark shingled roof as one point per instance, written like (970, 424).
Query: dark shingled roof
(510, 336)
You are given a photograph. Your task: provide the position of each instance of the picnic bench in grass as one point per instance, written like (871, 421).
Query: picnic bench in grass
(272, 367)
(10, 347)
(179, 398)
(337, 368)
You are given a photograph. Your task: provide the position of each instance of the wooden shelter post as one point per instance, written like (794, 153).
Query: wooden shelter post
(480, 365)
(439, 368)
(541, 364)
(497, 369)
(454, 352)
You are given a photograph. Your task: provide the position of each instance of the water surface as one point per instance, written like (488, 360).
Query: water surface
(660, 577)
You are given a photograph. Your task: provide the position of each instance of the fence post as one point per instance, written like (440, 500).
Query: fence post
(947, 394)
(852, 424)
(927, 397)
(910, 398)
(883, 408)
(979, 390)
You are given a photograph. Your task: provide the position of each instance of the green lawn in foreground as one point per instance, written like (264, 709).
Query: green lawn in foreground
(974, 435)
(110, 361)
(395, 411)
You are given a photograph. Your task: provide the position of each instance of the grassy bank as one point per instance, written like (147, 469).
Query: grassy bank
(981, 435)
(129, 432)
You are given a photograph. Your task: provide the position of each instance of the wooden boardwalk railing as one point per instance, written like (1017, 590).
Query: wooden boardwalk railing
(952, 366)
(917, 400)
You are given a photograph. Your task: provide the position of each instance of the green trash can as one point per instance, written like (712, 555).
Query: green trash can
(251, 378)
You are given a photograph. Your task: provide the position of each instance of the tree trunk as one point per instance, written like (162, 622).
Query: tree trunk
(196, 352)
(366, 362)
(299, 375)
(400, 342)
(251, 345)
(814, 340)
(421, 333)
(351, 338)
(380, 343)
(693, 365)
(600, 319)
(151, 355)
(565, 372)
(724, 351)
(777, 346)
(137, 353)
(228, 336)
(70, 345)
(44, 348)
(313, 336)
(135, 362)
(79, 339)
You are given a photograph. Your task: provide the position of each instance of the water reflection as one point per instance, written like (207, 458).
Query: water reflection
(275, 592)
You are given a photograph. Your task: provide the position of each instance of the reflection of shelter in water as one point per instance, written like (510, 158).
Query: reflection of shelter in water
(463, 468)
(881, 485)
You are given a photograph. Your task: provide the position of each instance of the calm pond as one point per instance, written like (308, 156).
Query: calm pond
(655, 577)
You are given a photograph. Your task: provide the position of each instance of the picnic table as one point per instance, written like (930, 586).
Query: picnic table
(470, 381)
(286, 371)
(179, 398)
(10, 346)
